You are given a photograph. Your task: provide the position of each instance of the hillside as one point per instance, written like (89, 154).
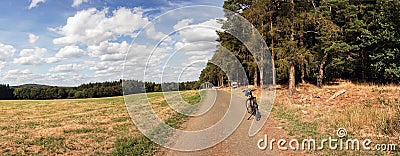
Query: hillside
(30, 86)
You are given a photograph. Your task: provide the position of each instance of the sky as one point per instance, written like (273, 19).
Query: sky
(70, 42)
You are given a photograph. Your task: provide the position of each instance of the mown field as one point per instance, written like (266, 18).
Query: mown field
(78, 127)
(103, 126)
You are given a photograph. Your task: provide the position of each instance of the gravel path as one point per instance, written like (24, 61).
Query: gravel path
(239, 143)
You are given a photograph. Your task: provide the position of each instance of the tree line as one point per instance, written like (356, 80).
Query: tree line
(317, 41)
(6, 92)
(90, 90)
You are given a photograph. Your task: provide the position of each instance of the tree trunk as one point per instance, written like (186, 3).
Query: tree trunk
(292, 81)
(320, 76)
(262, 77)
(363, 66)
(221, 81)
(292, 78)
(302, 57)
(237, 78)
(272, 50)
(303, 72)
(255, 76)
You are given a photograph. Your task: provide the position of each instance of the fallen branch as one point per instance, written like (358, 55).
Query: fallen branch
(340, 92)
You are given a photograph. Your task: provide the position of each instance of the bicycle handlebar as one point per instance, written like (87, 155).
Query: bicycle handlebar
(248, 90)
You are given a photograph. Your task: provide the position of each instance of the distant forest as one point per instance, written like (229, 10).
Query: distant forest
(316, 41)
(90, 90)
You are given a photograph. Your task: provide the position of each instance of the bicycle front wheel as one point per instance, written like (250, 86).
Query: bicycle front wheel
(248, 105)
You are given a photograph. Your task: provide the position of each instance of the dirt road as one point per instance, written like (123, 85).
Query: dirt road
(239, 143)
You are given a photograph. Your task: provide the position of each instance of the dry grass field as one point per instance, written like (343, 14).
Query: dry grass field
(74, 127)
(103, 126)
(364, 110)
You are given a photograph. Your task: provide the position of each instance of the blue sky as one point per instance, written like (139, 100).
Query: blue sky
(70, 42)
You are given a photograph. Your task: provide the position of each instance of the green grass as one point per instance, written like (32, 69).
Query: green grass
(79, 131)
(134, 146)
(4, 127)
(51, 144)
(194, 99)
(121, 119)
(154, 95)
(163, 103)
(296, 126)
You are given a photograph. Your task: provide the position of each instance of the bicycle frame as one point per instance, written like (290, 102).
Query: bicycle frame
(253, 106)
(253, 103)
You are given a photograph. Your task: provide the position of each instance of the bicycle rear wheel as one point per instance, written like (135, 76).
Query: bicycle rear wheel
(257, 115)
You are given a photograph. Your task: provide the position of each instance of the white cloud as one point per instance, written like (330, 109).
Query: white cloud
(33, 38)
(2, 64)
(6, 51)
(92, 26)
(34, 3)
(32, 57)
(106, 69)
(97, 65)
(182, 23)
(83, 27)
(67, 68)
(52, 60)
(126, 20)
(196, 46)
(109, 51)
(106, 47)
(24, 76)
(97, 34)
(33, 52)
(194, 58)
(19, 71)
(68, 78)
(205, 31)
(18, 76)
(114, 72)
(139, 56)
(70, 52)
(153, 34)
(112, 57)
(79, 2)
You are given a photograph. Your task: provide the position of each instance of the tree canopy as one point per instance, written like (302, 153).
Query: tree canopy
(317, 41)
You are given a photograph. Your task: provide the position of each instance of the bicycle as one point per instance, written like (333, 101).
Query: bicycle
(251, 105)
